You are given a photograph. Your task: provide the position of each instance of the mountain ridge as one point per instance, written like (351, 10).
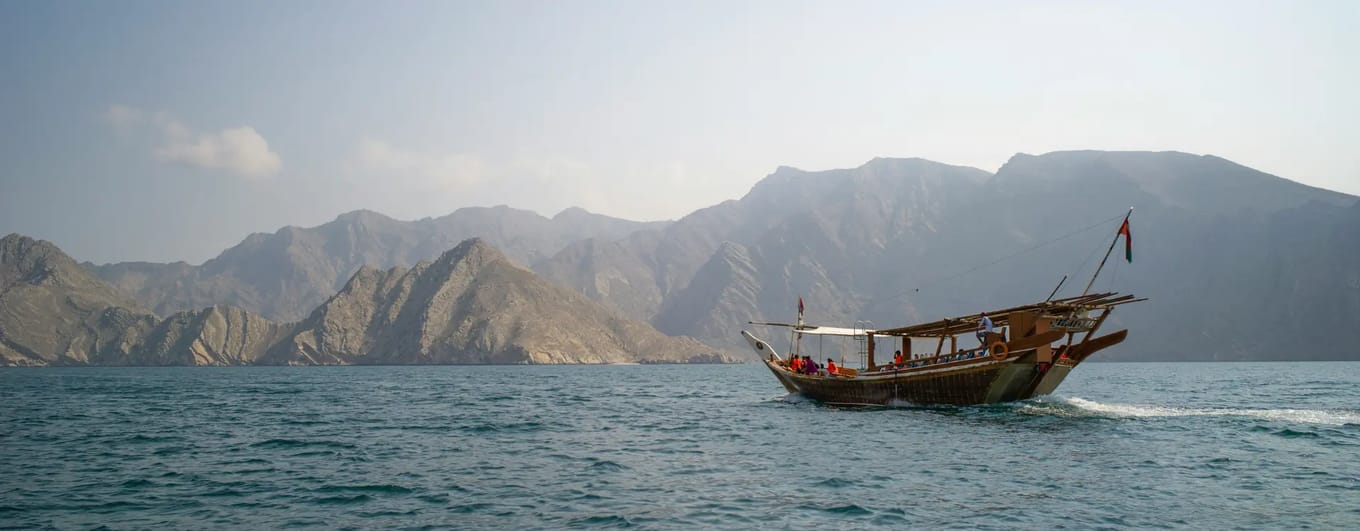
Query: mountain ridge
(899, 240)
(881, 247)
(471, 305)
(284, 274)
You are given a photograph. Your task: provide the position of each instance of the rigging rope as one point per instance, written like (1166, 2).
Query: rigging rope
(917, 289)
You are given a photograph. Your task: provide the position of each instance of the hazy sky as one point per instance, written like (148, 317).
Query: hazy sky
(170, 130)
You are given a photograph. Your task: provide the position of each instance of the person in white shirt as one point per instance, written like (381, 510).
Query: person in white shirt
(984, 328)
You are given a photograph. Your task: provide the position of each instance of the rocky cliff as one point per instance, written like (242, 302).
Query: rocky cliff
(52, 312)
(472, 305)
(217, 335)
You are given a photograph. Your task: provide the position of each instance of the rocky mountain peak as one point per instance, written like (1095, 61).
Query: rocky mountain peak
(19, 249)
(33, 261)
(472, 252)
(573, 213)
(364, 217)
(1173, 178)
(51, 309)
(472, 305)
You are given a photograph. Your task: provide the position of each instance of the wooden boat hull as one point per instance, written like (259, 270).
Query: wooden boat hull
(980, 380)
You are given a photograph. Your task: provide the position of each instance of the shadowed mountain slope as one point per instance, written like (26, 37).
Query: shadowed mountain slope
(1224, 251)
(53, 312)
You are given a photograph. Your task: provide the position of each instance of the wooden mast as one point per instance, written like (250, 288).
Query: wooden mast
(869, 349)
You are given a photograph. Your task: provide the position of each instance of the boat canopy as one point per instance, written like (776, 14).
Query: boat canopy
(814, 330)
(1069, 307)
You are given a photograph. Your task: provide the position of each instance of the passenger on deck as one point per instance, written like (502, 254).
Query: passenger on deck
(984, 328)
(795, 364)
(810, 367)
(897, 358)
(831, 367)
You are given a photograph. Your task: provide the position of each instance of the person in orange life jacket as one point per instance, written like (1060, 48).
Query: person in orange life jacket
(796, 364)
(830, 366)
(897, 358)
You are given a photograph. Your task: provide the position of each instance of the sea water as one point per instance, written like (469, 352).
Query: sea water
(1269, 445)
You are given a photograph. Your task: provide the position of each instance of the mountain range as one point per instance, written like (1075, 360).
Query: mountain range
(1237, 264)
(472, 305)
(284, 275)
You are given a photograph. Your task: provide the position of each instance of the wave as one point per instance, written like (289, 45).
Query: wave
(847, 510)
(1084, 407)
(602, 521)
(377, 489)
(145, 439)
(835, 483)
(138, 484)
(222, 493)
(342, 500)
(294, 443)
(471, 507)
(606, 465)
(528, 426)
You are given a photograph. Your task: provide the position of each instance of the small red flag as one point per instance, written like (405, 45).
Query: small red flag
(1128, 240)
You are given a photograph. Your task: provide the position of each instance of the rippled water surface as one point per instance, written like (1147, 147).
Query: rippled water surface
(1121, 445)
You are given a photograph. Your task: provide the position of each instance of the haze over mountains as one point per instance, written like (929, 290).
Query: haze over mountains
(1238, 264)
(1225, 252)
(284, 275)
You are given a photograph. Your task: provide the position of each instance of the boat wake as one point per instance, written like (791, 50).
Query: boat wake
(1080, 407)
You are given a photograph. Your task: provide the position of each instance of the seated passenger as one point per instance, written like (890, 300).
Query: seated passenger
(897, 358)
(831, 367)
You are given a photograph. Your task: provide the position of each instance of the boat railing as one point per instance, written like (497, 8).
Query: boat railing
(862, 341)
(966, 354)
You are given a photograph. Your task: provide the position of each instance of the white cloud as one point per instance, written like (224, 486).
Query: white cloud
(425, 170)
(238, 150)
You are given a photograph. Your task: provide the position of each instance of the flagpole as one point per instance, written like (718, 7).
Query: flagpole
(1107, 254)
